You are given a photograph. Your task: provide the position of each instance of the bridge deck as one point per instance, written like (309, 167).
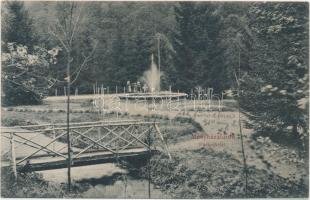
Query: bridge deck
(46, 163)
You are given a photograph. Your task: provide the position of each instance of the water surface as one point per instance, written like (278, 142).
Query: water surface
(106, 180)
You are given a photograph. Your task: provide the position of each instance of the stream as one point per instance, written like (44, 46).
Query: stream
(106, 180)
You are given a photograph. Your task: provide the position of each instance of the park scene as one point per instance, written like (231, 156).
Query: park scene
(164, 100)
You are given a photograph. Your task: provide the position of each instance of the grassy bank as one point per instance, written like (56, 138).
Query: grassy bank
(204, 173)
(32, 185)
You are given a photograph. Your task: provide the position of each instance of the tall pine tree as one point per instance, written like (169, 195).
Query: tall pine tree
(199, 53)
(184, 42)
(17, 25)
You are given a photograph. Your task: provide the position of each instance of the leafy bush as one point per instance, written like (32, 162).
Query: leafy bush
(25, 75)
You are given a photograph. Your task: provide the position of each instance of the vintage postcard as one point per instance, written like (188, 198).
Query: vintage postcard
(154, 99)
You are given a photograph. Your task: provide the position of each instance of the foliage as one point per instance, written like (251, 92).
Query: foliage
(184, 40)
(17, 25)
(128, 34)
(195, 42)
(24, 65)
(127, 40)
(275, 89)
(199, 42)
(206, 42)
(25, 75)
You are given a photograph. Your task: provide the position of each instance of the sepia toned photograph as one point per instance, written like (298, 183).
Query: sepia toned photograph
(155, 99)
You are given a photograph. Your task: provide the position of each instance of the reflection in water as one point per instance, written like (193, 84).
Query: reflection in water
(107, 180)
(80, 173)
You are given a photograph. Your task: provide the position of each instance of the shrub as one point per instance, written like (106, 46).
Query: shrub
(188, 120)
(15, 122)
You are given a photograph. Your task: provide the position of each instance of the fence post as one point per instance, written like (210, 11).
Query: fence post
(149, 162)
(13, 156)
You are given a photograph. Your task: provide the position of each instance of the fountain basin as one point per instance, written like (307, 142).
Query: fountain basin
(151, 96)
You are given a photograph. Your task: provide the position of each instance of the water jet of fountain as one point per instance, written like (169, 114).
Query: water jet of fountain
(151, 88)
(152, 77)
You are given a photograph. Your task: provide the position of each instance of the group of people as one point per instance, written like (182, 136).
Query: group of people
(136, 87)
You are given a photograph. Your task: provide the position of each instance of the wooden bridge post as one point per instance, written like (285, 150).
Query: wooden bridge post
(162, 139)
(13, 156)
(98, 133)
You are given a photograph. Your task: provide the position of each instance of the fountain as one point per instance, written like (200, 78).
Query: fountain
(151, 78)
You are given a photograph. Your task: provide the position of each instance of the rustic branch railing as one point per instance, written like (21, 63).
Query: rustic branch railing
(112, 137)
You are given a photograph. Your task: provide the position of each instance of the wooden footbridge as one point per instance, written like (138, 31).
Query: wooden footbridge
(43, 147)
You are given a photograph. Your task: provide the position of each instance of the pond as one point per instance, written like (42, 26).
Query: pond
(107, 181)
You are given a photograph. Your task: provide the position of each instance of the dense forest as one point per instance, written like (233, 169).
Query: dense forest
(199, 43)
(259, 49)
